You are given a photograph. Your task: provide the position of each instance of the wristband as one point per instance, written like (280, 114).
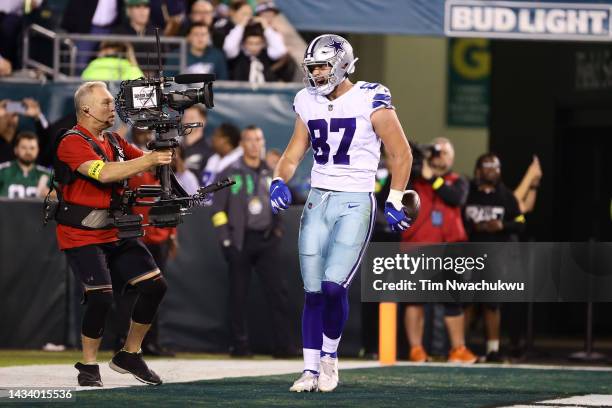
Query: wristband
(95, 169)
(395, 198)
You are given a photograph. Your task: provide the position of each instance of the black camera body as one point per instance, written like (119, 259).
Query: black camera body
(144, 104)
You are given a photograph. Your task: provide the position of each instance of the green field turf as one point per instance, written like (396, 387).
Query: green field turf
(372, 387)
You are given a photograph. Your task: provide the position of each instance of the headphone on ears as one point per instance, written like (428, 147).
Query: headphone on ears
(85, 109)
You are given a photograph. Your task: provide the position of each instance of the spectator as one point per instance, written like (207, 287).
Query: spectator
(115, 62)
(226, 144)
(6, 68)
(11, 114)
(185, 177)
(240, 12)
(167, 15)
(249, 235)
(8, 130)
(491, 214)
(527, 191)
(251, 53)
(442, 194)
(138, 12)
(196, 148)
(203, 58)
(11, 24)
(266, 13)
(272, 158)
(201, 12)
(91, 17)
(22, 178)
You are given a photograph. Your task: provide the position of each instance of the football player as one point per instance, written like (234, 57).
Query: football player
(344, 124)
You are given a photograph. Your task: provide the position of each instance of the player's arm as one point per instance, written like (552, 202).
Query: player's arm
(399, 156)
(280, 196)
(399, 160)
(115, 171)
(294, 153)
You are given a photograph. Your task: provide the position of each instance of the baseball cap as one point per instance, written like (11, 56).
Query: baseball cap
(266, 6)
(132, 3)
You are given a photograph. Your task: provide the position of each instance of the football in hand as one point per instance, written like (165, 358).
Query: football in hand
(412, 204)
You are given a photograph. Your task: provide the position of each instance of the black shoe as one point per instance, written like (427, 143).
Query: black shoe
(494, 357)
(153, 349)
(125, 362)
(89, 375)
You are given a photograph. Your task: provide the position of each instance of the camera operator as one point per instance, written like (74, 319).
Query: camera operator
(90, 166)
(442, 194)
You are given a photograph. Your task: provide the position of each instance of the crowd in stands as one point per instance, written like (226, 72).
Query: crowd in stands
(236, 40)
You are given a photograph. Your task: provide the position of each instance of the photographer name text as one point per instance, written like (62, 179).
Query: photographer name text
(427, 285)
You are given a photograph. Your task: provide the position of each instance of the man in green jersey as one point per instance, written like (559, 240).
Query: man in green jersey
(22, 177)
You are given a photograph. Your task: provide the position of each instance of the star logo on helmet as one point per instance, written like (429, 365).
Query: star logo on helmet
(336, 45)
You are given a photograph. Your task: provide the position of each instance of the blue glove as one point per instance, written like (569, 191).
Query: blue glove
(397, 219)
(280, 196)
(395, 211)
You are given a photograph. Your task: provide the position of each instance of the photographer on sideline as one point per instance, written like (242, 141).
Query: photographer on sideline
(443, 193)
(94, 163)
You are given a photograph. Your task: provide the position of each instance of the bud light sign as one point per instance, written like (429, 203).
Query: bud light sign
(522, 20)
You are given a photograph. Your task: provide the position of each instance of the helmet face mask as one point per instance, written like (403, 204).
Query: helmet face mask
(331, 51)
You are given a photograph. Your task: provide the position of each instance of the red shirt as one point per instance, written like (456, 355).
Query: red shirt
(153, 235)
(74, 151)
(423, 229)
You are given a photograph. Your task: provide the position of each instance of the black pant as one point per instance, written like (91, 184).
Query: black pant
(260, 254)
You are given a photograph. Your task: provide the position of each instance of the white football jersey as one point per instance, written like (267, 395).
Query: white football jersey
(345, 148)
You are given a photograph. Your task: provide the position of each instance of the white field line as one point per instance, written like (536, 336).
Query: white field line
(577, 401)
(170, 370)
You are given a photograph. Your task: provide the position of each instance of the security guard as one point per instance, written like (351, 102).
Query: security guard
(249, 236)
(90, 163)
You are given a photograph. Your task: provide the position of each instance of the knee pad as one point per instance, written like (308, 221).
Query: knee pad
(453, 309)
(150, 294)
(332, 290)
(99, 303)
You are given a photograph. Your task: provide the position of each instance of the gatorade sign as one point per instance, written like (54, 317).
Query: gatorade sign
(522, 20)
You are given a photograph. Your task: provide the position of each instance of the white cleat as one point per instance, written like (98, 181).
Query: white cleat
(306, 383)
(328, 378)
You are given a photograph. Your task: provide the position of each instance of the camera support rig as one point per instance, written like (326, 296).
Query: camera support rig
(144, 104)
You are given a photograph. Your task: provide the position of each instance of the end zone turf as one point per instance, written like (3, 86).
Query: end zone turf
(403, 385)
